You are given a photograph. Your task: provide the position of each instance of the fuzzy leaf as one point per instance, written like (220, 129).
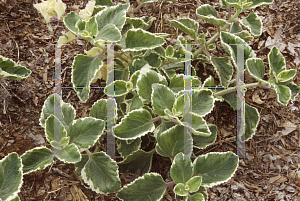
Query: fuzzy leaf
(37, 158)
(150, 186)
(283, 94)
(70, 154)
(137, 160)
(135, 124)
(198, 127)
(276, 62)
(179, 189)
(141, 22)
(224, 69)
(98, 109)
(55, 131)
(106, 171)
(144, 83)
(209, 13)
(286, 75)
(229, 42)
(202, 102)
(253, 23)
(112, 15)
(194, 183)
(197, 197)
(89, 65)
(172, 141)
(257, 3)
(10, 69)
(138, 39)
(215, 167)
(252, 117)
(85, 132)
(162, 98)
(256, 68)
(182, 169)
(126, 149)
(201, 142)
(187, 25)
(10, 176)
(109, 33)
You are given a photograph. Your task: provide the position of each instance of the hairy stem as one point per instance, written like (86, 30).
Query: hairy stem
(231, 89)
(171, 183)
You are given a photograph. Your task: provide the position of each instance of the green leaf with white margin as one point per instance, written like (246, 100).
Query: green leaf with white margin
(109, 33)
(229, 42)
(153, 59)
(194, 183)
(70, 154)
(55, 131)
(84, 132)
(257, 3)
(286, 75)
(144, 83)
(138, 159)
(233, 3)
(10, 69)
(10, 176)
(84, 70)
(209, 82)
(182, 169)
(150, 186)
(187, 25)
(224, 69)
(215, 167)
(237, 30)
(104, 3)
(201, 142)
(256, 68)
(198, 127)
(202, 101)
(276, 62)
(179, 189)
(253, 23)
(295, 89)
(15, 199)
(121, 87)
(252, 117)
(139, 39)
(80, 165)
(61, 144)
(68, 111)
(209, 13)
(70, 21)
(141, 22)
(112, 15)
(135, 124)
(172, 141)
(169, 51)
(106, 171)
(98, 109)
(177, 83)
(180, 106)
(162, 127)
(283, 94)
(162, 98)
(91, 26)
(197, 197)
(202, 190)
(124, 149)
(136, 103)
(136, 65)
(245, 35)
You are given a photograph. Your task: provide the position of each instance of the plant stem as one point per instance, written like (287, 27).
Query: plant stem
(171, 183)
(137, 8)
(214, 37)
(101, 53)
(156, 119)
(88, 153)
(231, 89)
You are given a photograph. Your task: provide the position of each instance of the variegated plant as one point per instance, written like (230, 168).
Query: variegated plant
(10, 69)
(151, 101)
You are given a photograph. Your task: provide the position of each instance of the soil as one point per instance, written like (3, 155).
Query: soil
(270, 170)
